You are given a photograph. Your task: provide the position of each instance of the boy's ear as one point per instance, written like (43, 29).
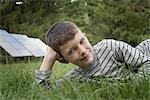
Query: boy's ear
(84, 33)
(61, 59)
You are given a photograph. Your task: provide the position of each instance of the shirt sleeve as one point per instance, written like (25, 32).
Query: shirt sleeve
(144, 47)
(75, 75)
(127, 54)
(43, 78)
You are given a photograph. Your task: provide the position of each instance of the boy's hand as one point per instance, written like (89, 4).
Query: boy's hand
(50, 52)
(61, 59)
(48, 60)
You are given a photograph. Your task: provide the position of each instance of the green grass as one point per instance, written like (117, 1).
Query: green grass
(16, 83)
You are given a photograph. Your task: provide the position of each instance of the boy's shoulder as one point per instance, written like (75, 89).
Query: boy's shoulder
(74, 72)
(100, 42)
(104, 43)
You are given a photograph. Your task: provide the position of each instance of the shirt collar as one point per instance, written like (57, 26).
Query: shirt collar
(91, 65)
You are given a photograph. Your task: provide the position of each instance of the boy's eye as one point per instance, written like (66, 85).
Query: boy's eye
(71, 51)
(82, 40)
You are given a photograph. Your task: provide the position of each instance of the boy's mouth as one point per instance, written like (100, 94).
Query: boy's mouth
(85, 58)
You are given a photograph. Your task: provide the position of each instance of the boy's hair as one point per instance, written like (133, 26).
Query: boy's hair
(60, 33)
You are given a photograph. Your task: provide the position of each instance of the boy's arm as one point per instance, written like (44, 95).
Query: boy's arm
(127, 54)
(44, 73)
(76, 76)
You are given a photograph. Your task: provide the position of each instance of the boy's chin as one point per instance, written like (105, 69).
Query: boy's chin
(87, 63)
(90, 61)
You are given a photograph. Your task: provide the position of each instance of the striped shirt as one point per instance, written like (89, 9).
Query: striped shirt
(113, 59)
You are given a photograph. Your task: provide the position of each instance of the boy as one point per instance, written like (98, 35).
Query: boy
(107, 59)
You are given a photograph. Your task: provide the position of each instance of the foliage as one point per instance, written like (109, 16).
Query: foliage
(126, 20)
(17, 83)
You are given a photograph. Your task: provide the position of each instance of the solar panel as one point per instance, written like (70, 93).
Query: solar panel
(18, 52)
(21, 45)
(3, 33)
(34, 45)
(39, 47)
(12, 46)
(15, 45)
(20, 37)
(8, 38)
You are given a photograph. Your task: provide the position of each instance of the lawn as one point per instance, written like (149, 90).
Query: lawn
(17, 83)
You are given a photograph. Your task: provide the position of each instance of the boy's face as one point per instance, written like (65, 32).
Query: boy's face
(78, 51)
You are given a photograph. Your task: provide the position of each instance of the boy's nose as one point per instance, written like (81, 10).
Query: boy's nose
(82, 50)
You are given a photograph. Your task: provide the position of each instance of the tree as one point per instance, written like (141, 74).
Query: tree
(126, 20)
